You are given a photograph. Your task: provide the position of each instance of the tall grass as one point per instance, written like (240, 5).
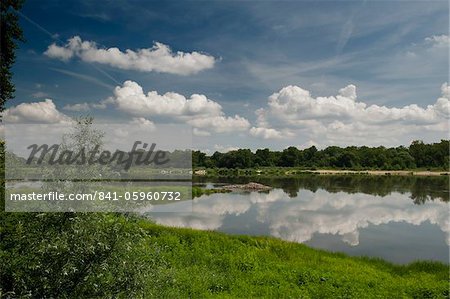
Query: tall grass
(202, 264)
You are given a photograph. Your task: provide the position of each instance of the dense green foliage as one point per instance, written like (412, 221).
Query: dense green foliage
(108, 255)
(62, 255)
(418, 155)
(10, 33)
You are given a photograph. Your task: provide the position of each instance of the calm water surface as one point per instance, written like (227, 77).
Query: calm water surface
(400, 219)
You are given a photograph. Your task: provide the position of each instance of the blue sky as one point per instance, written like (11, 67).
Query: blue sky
(394, 52)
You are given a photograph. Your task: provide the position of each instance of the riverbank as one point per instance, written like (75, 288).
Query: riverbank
(209, 264)
(286, 171)
(381, 172)
(153, 261)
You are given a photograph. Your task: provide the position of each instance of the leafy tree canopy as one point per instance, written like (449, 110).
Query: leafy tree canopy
(10, 33)
(418, 155)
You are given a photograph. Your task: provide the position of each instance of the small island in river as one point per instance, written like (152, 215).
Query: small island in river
(247, 187)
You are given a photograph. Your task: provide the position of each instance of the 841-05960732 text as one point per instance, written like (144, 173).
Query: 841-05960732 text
(99, 195)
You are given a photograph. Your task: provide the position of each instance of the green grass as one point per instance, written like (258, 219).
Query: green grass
(199, 264)
(107, 255)
(199, 191)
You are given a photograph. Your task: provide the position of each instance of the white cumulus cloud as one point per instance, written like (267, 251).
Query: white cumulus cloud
(198, 111)
(131, 98)
(263, 130)
(36, 112)
(62, 53)
(296, 103)
(343, 119)
(143, 123)
(220, 123)
(266, 133)
(438, 40)
(158, 58)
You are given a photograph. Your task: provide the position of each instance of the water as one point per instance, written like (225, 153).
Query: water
(400, 219)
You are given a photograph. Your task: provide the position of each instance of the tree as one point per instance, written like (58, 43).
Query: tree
(10, 33)
(435, 155)
(76, 255)
(290, 157)
(309, 155)
(346, 160)
(198, 159)
(71, 255)
(417, 150)
(65, 178)
(263, 157)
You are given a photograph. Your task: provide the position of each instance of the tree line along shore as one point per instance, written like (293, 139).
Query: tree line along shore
(419, 157)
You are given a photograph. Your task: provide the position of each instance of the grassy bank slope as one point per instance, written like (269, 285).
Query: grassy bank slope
(76, 255)
(207, 264)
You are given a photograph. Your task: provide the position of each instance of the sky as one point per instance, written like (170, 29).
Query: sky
(242, 74)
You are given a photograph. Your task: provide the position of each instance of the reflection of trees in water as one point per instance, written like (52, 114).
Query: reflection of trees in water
(421, 188)
(424, 190)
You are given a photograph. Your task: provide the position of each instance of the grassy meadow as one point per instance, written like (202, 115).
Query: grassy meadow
(200, 264)
(112, 255)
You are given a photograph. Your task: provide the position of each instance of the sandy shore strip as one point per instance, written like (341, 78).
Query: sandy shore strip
(381, 172)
